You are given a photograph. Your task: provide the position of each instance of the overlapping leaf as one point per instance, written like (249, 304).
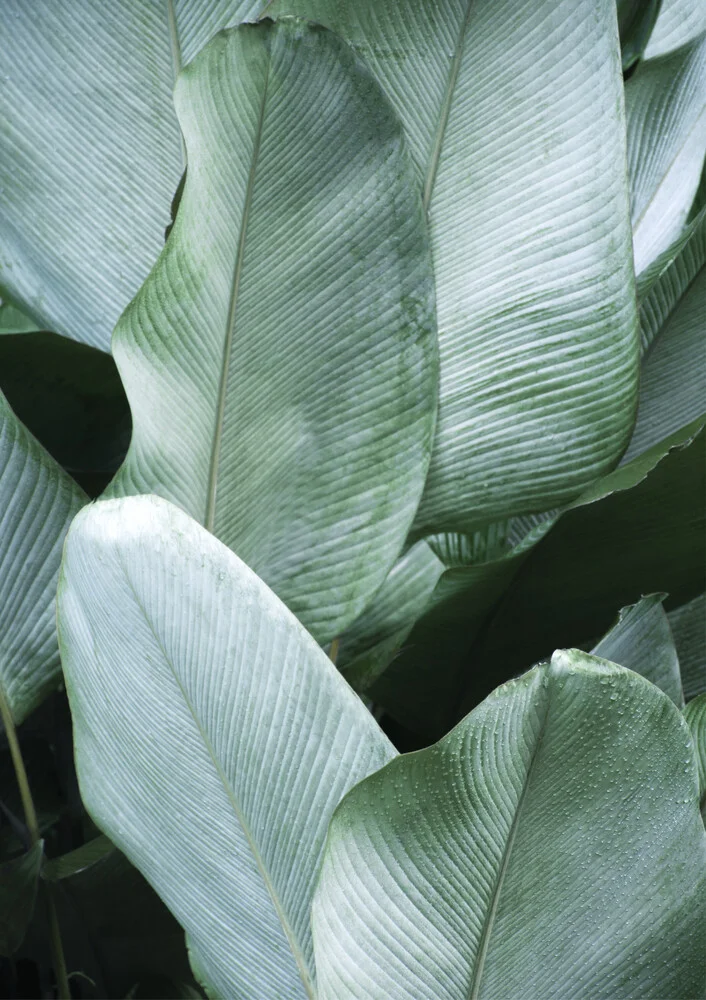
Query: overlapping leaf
(550, 846)
(688, 625)
(520, 152)
(281, 359)
(213, 736)
(37, 502)
(679, 22)
(90, 147)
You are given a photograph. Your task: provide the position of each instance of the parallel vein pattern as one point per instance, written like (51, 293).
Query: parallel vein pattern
(529, 216)
(214, 738)
(281, 360)
(37, 502)
(546, 847)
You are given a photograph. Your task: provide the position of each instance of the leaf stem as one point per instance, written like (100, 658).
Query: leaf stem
(32, 824)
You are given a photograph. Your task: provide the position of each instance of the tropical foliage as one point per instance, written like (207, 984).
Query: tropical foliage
(376, 331)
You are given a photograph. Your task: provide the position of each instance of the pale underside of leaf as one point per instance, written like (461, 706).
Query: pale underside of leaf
(679, 22)
(472, 869)
(91, 152)
(281, 361)
(37, 502)
(249, 736)
(520, 152)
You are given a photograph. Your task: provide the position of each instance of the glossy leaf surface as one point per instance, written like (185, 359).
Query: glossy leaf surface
(211, 704)
(280, 361)
(550, 846)
(520, 153)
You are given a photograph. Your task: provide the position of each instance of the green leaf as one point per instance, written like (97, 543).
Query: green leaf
(280, 361)
(636, 19)
(37, 502)
(210, 704)
(91, 152)
(520, 152)
(641, 640)
(673, 375)
(14, 321)
(665, 106)
(639, 529)
(71, 398)
(679, 22)
(695, 715)
(550, 846)
(688, 625)
(18, 890)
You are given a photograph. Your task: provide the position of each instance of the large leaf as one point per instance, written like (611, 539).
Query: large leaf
(281, 359)
(91, 152)
(665, 105)
(37, 502)
(641, 640)
(695, 715)
(679, 22)
(640, 529)
(12, 320)
(636, 19)
(673, 375)
(71, 398)
(213, 736)
(688, 625)
(520, 151)
(550, 846)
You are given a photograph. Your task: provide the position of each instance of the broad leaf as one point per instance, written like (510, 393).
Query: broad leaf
(280, 361)
(695, 715)
(91, 152)
(18, 890)
(636, 19)
(640, 529)
(679, 22)
(673, 374)
(37, 502)
(520, 153)
(71, 398)
(641, 640)
(688, 625)
(211, 704)
(665, 105)
(544, 848)
(14, 321)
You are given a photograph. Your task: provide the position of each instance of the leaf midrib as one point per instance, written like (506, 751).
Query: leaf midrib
(454, 70)
(484, 944)
(210, 515)
(230, 794)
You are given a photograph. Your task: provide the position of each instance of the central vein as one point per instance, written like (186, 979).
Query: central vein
(446, 109)
(210, 516)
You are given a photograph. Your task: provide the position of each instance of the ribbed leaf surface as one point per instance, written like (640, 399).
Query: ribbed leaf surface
(281, 359)
(641, 640)
(37, 502)
(213, 736)
(695, 715)
(90, 149)
(665, 105)
(679, 22)
(520, 152)
(544, 848)
(688, 625)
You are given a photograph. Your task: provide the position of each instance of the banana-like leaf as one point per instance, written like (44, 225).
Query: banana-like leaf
(546, 847)
(90, 149)
(688, 625)
(281, 360)
(636, 19)
(679, 22)
(19, 878)
(695, 715)
(673, 375)
(641, 640)
(665, 106)
(12, 320)
(640, 529)
(37, 502)
(213, 737)
(520, 152)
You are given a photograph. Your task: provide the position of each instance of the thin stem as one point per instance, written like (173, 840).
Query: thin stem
(333, 651)
(32, 824)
